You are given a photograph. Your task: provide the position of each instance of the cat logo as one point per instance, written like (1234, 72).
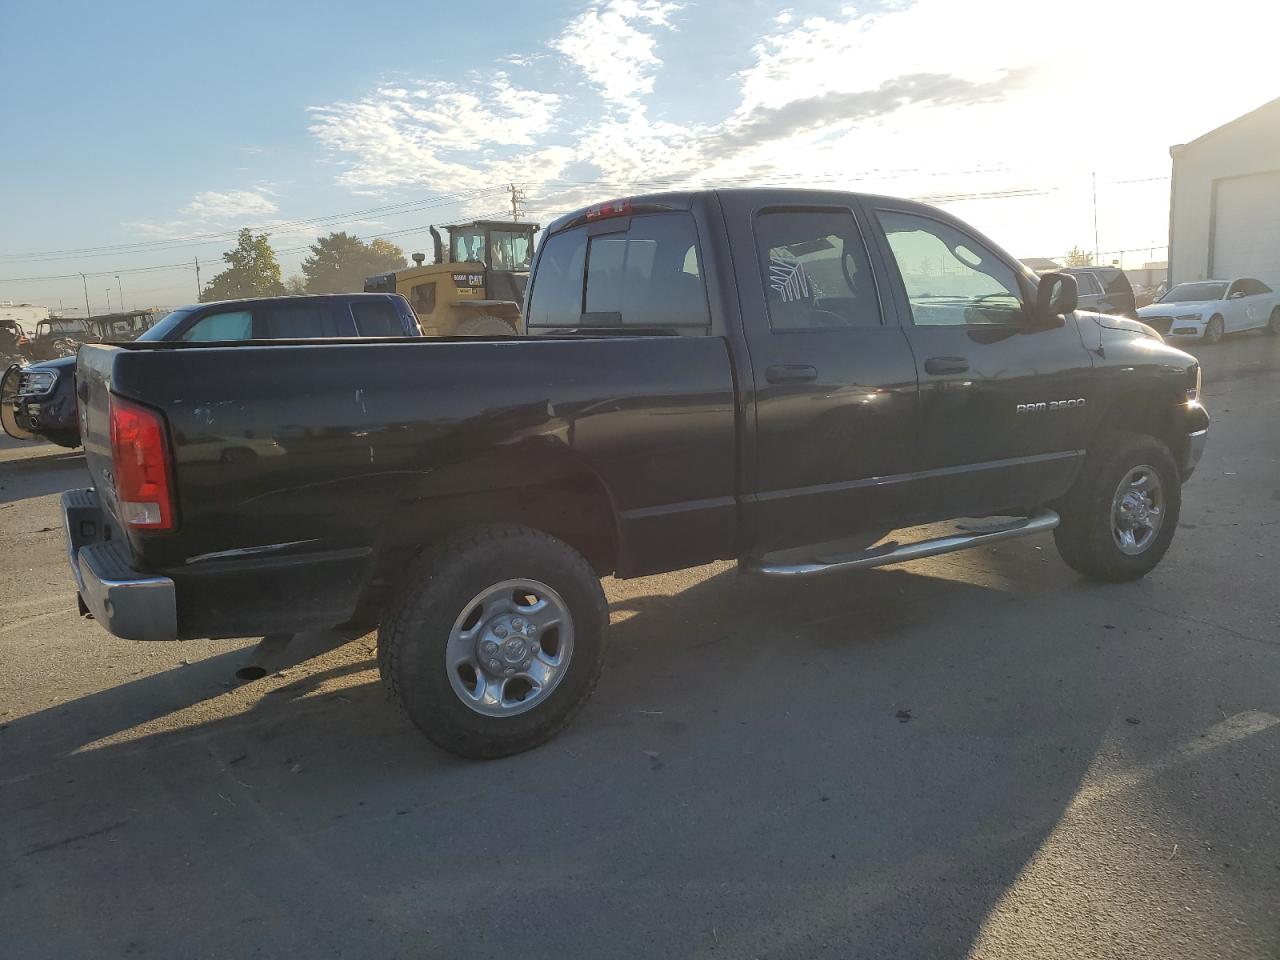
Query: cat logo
(1051, 405)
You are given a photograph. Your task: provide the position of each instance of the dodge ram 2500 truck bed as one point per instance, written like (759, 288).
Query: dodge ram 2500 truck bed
(749, 374)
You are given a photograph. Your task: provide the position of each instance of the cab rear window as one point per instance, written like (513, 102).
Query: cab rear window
(648, 275)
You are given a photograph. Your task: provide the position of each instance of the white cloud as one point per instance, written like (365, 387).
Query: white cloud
(921, 97)
(420, 133)
(212, 205)
(213, 210)
(158, 231)
(608, 42)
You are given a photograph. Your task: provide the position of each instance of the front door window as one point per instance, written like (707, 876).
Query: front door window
(951, 279)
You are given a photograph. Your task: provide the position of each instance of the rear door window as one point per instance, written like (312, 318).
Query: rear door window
(649, 275)
(1117, 284)
(300, 321)
(1086, 285)
(376, 318)
(227, 325)
(817, 274)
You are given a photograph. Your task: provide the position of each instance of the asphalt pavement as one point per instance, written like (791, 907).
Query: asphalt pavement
(978, 755)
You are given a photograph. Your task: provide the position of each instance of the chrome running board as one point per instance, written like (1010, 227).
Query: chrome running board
(894, 552)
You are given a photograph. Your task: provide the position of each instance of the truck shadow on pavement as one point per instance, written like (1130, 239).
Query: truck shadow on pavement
(857, 766)
(23, 479)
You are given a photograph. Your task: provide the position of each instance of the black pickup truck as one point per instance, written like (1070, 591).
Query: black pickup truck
(780, 377)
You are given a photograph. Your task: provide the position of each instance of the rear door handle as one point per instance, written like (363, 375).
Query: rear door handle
(946, 365)
(791, 373)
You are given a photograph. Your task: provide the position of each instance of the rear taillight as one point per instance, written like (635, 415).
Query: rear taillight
(144, 473)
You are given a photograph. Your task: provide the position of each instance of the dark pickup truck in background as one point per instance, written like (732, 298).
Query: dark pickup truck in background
(38, 401)
(780, 377)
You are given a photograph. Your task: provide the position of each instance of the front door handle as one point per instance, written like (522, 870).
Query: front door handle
(791, 373)
(946, 365)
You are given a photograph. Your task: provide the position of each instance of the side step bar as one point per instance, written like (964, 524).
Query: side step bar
(896, 553)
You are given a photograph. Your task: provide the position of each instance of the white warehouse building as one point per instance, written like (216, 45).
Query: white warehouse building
(1224, 203)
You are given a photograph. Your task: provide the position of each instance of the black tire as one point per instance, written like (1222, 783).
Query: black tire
(1085, 535)
(1213, 332)
(485, 325)
(1273, 327)
(442, 583)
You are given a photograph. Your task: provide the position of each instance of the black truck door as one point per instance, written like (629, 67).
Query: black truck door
(833, 377)
(1003, 397)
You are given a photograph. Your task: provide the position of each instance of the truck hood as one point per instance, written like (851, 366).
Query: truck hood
(1173, 308)
(61, 364)
(1115, 326)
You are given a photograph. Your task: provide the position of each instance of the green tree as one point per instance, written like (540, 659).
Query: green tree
(252, 271)
(1078, 258)
(295, 285)
(340, 262)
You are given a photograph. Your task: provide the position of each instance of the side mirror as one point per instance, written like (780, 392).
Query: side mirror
(1057, 295)
(1238, 295)
(8, 412)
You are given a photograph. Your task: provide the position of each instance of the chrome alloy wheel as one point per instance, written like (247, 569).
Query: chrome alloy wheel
(1137, 510)
(509, 648)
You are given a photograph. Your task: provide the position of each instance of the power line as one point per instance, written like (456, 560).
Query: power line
(185, 265)
(284, 226)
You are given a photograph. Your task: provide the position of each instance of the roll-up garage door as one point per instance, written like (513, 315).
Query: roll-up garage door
(1246, 228)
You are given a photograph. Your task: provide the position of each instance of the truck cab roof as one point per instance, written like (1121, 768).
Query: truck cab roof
(684, 200)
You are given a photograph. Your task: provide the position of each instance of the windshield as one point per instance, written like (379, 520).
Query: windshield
(468, 246)
(511, 251)
(162, 329)
(1193, 292)
(60, 326)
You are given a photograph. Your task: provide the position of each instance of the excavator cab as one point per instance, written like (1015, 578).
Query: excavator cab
(476, 286)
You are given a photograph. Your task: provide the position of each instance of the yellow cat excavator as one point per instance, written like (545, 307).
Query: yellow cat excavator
(476, 286)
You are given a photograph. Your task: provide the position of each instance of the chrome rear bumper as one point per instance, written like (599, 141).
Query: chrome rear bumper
(129, 604)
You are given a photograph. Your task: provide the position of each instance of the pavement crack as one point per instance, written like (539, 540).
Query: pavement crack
(46, 847)
(1210, 623)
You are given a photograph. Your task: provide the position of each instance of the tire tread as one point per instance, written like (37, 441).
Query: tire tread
(1084, 538)
(431, 575)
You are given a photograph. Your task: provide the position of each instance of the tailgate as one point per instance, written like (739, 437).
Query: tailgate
(93, 394)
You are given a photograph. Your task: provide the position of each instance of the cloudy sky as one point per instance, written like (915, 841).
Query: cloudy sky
(141, 136)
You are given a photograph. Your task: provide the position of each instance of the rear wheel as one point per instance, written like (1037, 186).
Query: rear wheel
(1119, 518)
(497, 642)
(1213, 332)
(485, 326)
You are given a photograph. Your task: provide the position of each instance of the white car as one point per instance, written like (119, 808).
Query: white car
(1207, 309)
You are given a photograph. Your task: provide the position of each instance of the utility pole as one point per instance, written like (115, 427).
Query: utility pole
(108, 299)
(87, 311)
(518, 195)
(120, 290)
(197, 279)
(1097, 251)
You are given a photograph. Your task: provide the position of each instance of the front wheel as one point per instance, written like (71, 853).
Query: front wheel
(497, 642)
(1119, 518)
(1273, 326)
(1213, 332)
(485, 326)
